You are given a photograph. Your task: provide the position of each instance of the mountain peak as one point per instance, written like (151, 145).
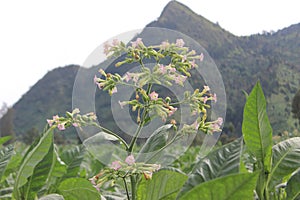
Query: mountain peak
(179, 17)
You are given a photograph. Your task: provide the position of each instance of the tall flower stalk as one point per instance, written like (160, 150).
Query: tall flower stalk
(173, 63)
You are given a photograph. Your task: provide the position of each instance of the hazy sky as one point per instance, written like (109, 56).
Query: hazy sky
(38, 36)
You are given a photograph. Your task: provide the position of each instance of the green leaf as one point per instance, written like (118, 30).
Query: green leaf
(4, 139)
(73, 158)
(57, 171)
(13, 165)
(78, 188)
(157, 140)
(256, 128)
(293, 187)
(164, 185)
(154, 143)
(218, 163)
(235, 186)
(52, 197)
(39, 176)
(5, 155)
(32, 159)
(286, 157)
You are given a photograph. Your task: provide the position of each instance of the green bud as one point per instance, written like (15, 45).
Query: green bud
(168, 100)
(69, 115)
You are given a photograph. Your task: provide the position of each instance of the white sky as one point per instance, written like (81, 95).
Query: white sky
(38, 36)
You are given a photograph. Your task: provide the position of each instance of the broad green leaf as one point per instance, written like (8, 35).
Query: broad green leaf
(52, 197)
(293, 187)
(39, 176)
(155, 142)
(5, 155)
(235, 186)
(164, 185)
(57, 171)
(73, 158)
(286, 159)
(32, 159)
(4, 139)
(256, 128)
(218, 163)
(13, 165)
(78, 188)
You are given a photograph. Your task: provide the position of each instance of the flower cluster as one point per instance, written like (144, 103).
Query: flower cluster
(181, 61)
(119, 169)
(72, 119)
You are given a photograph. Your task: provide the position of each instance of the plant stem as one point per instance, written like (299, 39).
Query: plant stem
(133, 187)
(141, 124)
(126, 188)
(130, 148)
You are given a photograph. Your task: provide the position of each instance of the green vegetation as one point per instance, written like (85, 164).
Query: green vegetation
(248, 168)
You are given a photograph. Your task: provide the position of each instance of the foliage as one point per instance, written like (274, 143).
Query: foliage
(236, 169)
(296, 106)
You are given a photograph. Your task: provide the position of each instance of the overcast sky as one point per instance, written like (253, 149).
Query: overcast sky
(38, 36)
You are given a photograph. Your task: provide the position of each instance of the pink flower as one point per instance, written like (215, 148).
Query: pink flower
(179, 79)
(115, 42)
(56, 118)
(116, 165)
(193, 64)
(127, 77)
(196, 125)
(215, 127)
(179, 43)
(133, 76)
(93, 180)
(165, 44)
(219, 121)
(201, 57)
(97, 187)
(206, 88)
(75, 124)
(95, 79)
(101, 85)
(172, 110)
(162, 69)
(114, 90)
(61, 126)
(214, 97)
(153, 96)
(107, 47)
(137, 43)
(50, 122)
(130, 160)
(205, 99)
(173, 69)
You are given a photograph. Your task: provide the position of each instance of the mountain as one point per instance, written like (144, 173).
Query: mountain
(272, 58)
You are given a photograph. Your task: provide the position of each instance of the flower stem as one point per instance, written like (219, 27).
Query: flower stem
(141, 124)
(126, 188)
(133, 187)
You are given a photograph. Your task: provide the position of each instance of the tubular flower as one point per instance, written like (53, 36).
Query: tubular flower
(153, 96)
(130, 160)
